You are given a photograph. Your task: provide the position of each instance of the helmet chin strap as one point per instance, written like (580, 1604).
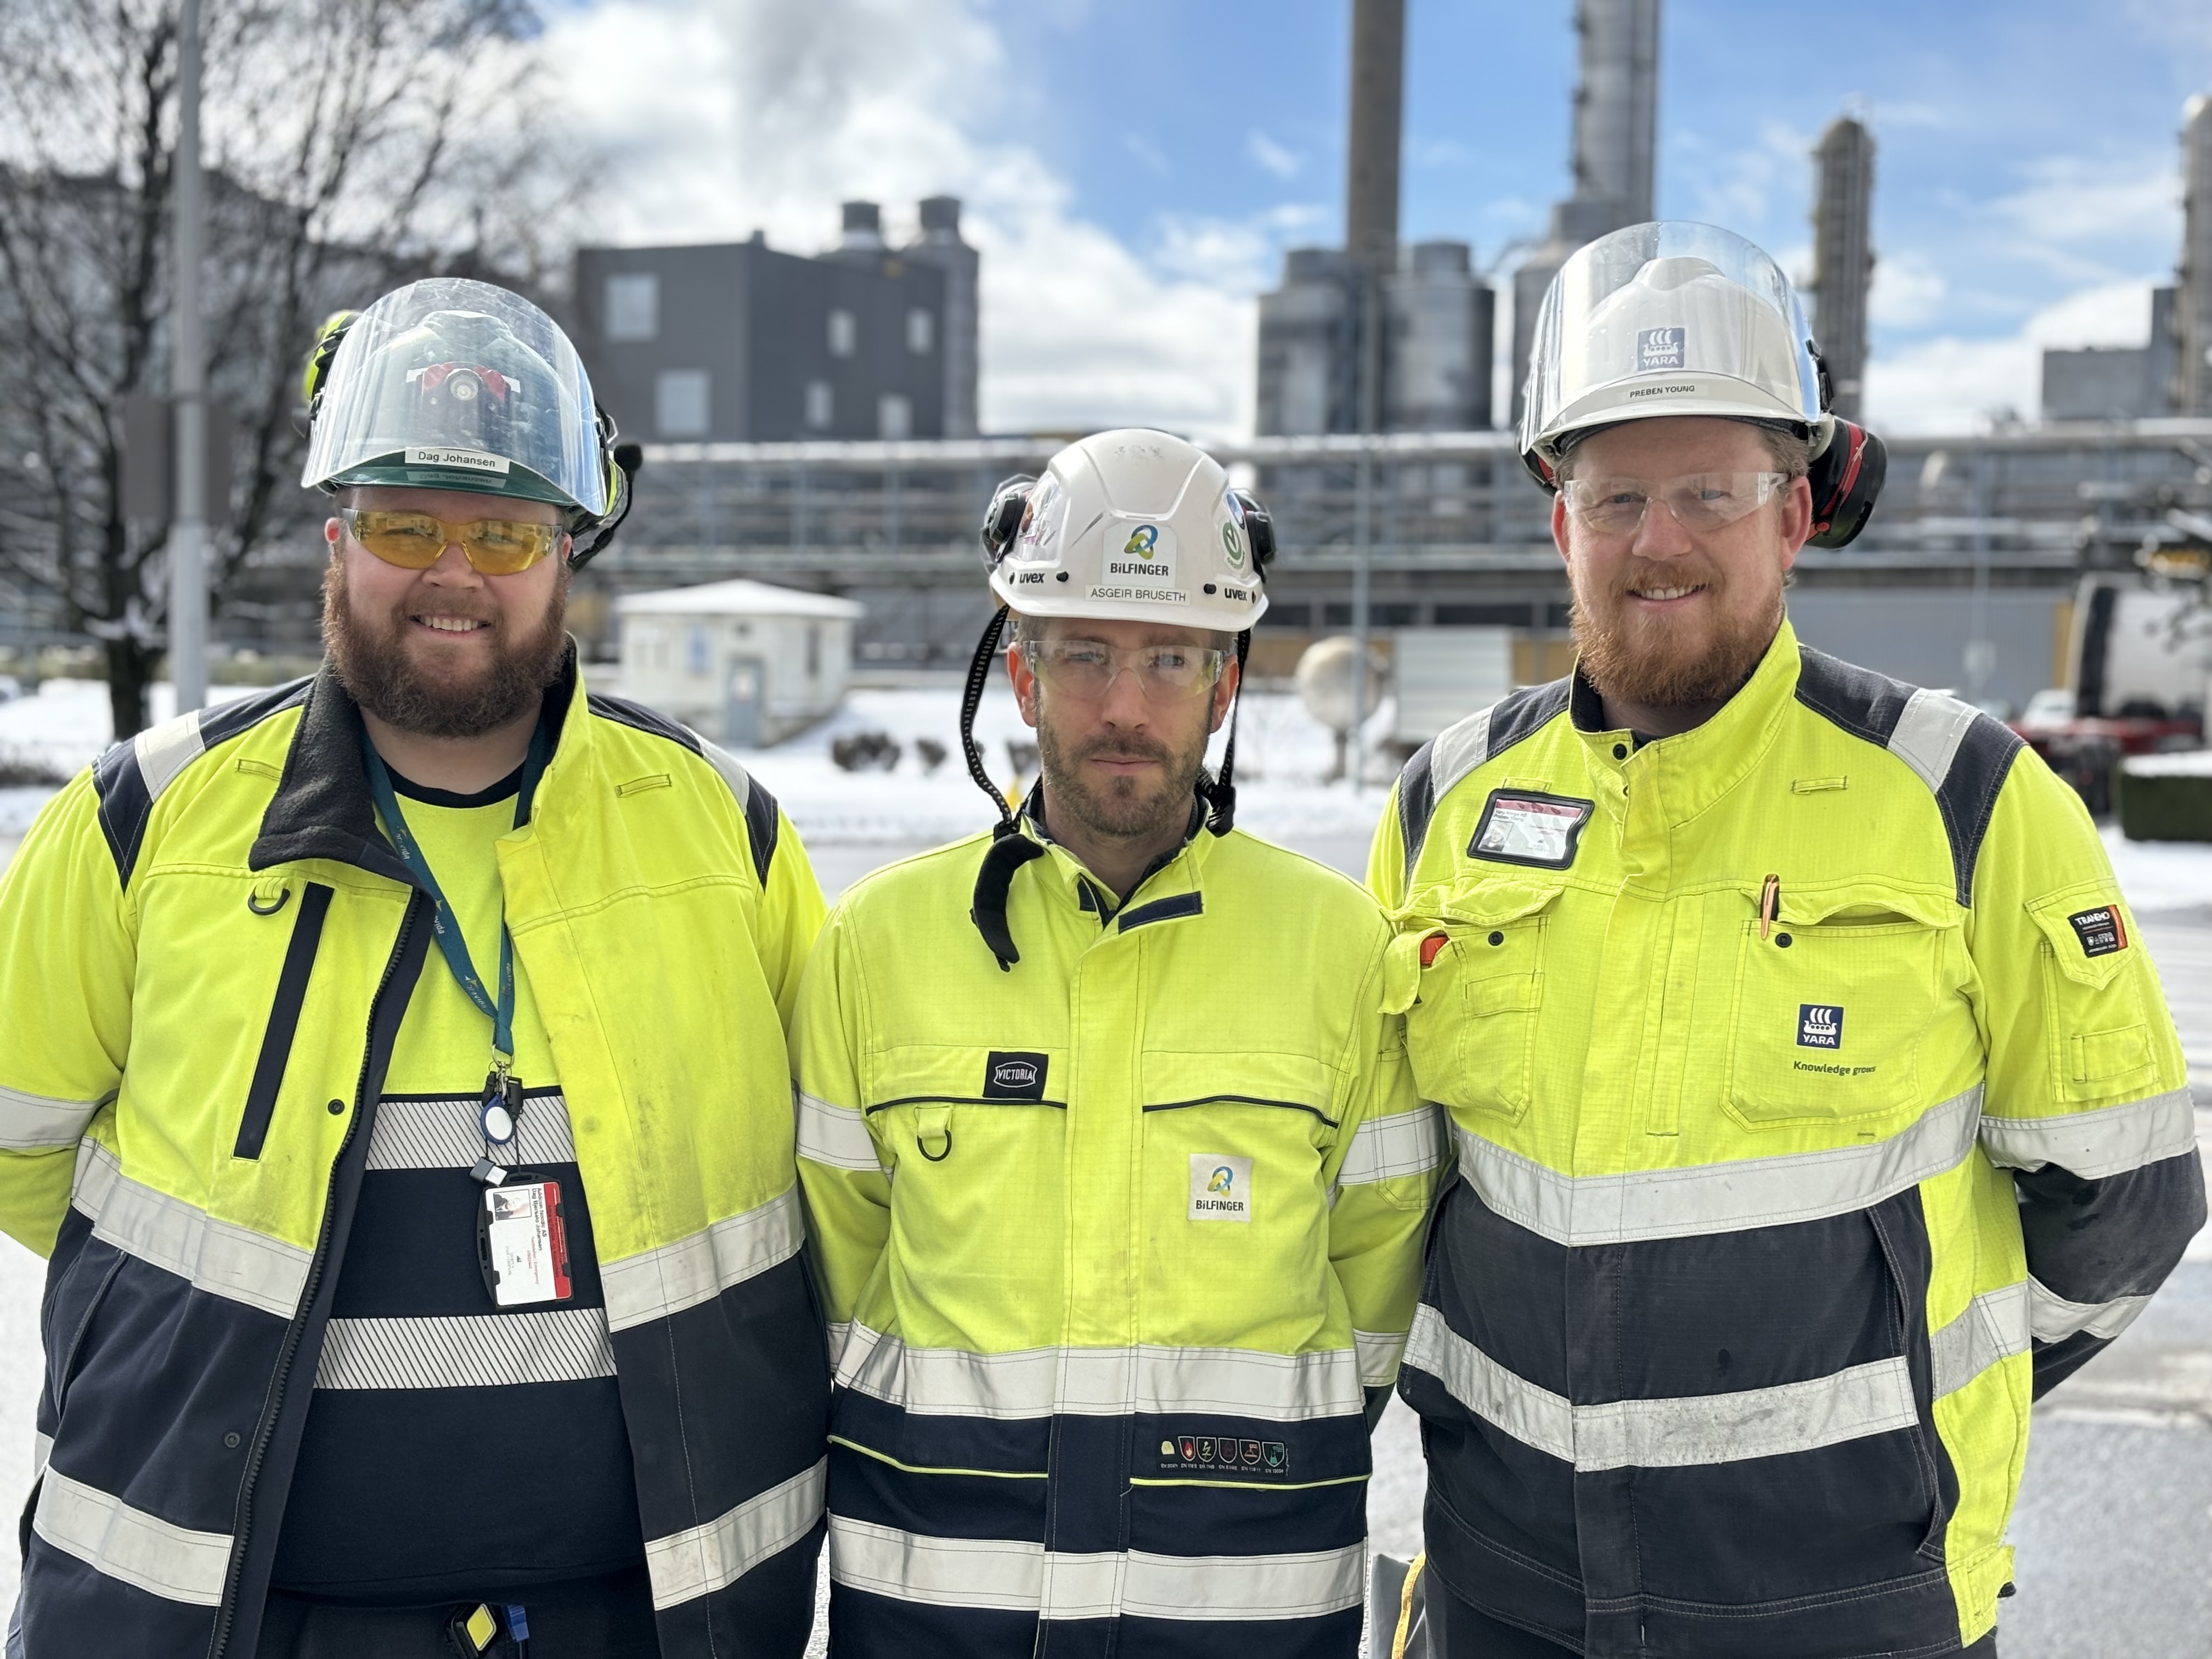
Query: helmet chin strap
(1219, 792)
(1009, 850)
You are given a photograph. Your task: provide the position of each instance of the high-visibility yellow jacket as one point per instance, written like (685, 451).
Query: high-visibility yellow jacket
(205, 949)
(1110, 1242)
(1814, 1102)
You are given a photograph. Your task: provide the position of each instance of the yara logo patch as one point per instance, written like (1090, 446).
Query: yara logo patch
(1820, 1025)
(1220, 1188)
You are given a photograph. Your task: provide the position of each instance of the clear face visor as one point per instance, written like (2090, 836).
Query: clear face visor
(464, 381)
(1669, 317)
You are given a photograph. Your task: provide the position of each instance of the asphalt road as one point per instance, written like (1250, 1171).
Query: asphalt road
(2114, 1525)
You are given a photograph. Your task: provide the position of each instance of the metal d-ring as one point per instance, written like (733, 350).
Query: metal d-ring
(283, 894)
(935, 1157)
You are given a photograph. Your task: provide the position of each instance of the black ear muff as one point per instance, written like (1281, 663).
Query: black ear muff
(1259, 530)
(1846, 478)
(623, 462)
(1002, 519)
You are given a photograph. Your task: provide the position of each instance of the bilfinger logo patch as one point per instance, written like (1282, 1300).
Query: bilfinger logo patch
(1220, 1188)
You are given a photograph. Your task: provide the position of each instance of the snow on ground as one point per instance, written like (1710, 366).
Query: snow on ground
(2160, 875)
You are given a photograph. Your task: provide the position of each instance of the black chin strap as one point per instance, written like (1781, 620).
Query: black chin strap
(1219, 793)
(1010, 849)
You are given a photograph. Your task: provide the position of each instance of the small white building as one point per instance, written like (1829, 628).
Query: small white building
(742, 662)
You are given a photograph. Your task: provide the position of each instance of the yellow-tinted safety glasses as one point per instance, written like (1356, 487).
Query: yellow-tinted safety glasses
(413, 541)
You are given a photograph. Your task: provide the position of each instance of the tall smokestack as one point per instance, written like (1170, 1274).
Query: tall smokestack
(1843, 257)
(1617, 106)
(1370, 185)
(2193, 305)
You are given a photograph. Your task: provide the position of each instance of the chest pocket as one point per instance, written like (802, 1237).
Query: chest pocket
(2093, 1005)
(1835, 1005)
(1477, 966)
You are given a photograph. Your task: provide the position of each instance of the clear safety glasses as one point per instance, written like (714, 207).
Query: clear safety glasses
(1087, 669)
(1699, 500)
(413, 541)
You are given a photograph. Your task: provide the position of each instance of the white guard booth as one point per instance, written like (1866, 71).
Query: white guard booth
(743, 663)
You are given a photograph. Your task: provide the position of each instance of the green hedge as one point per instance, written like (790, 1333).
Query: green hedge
(2166, 808)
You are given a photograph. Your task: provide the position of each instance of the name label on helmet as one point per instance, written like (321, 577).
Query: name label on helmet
(475, 460)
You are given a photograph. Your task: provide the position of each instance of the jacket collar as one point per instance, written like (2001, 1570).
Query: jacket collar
(1678, 777)
(322, 808)
(1173, 873)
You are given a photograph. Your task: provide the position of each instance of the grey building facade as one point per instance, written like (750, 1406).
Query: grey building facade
(736, 343)
(1843, 257)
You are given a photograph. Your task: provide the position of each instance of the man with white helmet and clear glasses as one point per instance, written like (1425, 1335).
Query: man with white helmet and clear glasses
(1115, 1180)
(1814, 1105)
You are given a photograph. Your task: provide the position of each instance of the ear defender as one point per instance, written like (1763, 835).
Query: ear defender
(1002, 519)
(1846, 477)
(1259, 530)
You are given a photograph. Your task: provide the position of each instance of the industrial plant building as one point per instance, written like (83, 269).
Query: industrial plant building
(737, 342)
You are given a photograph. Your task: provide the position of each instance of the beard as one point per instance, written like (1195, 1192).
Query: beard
(371, 658)
(1660, 665)
(1123, 809)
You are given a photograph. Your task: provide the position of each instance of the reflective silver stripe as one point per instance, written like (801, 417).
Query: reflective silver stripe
(42, 1450)
(2052, 1318)
(834, 1335)
(735, 777)
(164, 751)
(1378, 1354)
(2109, 1141)
(482, 1351)
(1994, 1326)
(656, 1283)
(1929, 733)
(1678, 1433)
(835, 1135)
(1716, 1198)
(447, 1135)
(1384, 1148)
(220, 1257)
(1014, 1575)
(111, 1537)
(702, 1559)
(28, 1121)
(1101, 1382)
(1456, 752)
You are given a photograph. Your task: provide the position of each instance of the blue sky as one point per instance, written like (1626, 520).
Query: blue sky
(2027, 188)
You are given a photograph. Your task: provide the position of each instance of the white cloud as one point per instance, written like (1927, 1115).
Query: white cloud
(725, 115)
(1952, 384)
(1283, 163)
(1907, 293)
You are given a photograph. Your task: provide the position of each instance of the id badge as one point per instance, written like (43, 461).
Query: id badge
(522, 1244)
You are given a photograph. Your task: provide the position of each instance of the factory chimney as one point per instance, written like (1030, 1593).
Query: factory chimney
(2193, 390)
(1371, 184)
(1616, 135)
(1843, 257)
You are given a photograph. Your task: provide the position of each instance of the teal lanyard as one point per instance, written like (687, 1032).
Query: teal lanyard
(501, 1085)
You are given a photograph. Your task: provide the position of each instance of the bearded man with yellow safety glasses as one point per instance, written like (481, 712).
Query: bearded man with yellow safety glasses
(1115, 1180)
(392, 1067)
(1816, 1105)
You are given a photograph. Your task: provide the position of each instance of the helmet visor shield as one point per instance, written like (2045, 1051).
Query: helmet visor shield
(453, 384)
(1668, 319)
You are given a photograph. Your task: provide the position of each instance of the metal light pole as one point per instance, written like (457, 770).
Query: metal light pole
(188, 388)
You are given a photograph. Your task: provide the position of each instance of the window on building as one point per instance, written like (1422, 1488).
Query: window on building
(894, 415)
(680, 403)
(920, 331)
(633, 306)
(821, 405)
(844, 333)
(695, 655)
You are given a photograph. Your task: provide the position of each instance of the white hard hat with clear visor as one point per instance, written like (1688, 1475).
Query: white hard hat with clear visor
(1669, 318)
(450, 384)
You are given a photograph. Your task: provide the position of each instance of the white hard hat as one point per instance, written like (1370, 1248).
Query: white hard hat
(1132, 525)
(1668, 319)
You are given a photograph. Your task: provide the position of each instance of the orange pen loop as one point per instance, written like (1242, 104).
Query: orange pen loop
(1769, 901)
(1430, 945)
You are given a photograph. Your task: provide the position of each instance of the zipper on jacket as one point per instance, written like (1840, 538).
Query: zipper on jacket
(284, 1019)
(226, 1613)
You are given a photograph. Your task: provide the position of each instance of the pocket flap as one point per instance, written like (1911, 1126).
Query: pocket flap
(1864, 903)
(2089, 930)
(1492, 903)
(1175, 1077)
